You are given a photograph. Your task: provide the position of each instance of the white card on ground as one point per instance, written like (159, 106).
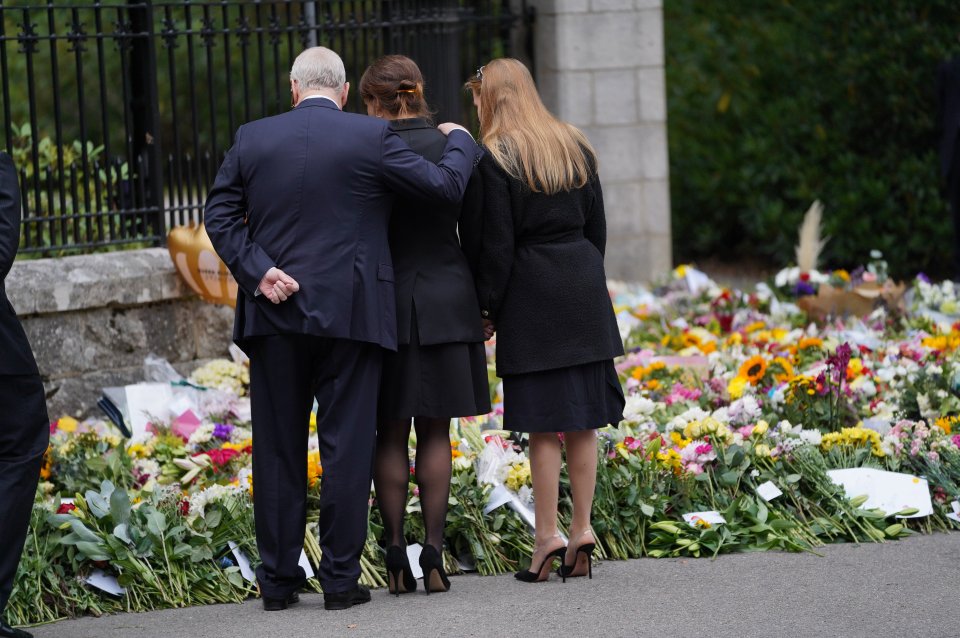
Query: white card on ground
(954, 517)
(888, 491)
(145, 400)
(105, 582)
(768, 491)
(499, 495)
(956, 507)
(242, 562)
(305, 563)
(413, 555)
(712, 517)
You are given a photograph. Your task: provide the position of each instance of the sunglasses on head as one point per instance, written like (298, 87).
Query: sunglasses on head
(480, 74)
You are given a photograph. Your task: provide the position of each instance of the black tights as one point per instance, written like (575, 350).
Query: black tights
(392, 472)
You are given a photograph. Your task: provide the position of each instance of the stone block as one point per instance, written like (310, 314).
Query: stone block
(612, 5)
(656, 206)
(626, 257)
(597, 41)
(551, 7)
(637, 257)
(79, 342)
(652, 94)
(615, 96)
(93, 281)
(653, 151)
(609, 40)
(649, 38)
(649, 4)
(568, 95)
(618, 148)
(212, 328)
(623, 204)
(659, 255)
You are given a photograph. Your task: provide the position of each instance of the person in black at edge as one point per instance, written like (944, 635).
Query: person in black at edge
(24, 427)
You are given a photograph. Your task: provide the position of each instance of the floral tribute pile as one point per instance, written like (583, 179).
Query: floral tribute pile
(737, 408)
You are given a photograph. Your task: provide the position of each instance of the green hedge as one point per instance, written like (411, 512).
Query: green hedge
(773, 104)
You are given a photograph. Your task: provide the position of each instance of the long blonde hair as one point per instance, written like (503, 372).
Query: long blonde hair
(524, 138)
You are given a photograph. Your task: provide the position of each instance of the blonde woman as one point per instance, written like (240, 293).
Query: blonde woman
(541, 282)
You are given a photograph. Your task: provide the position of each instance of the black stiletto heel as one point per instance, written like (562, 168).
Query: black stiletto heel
(540, 575)
(400, 578)
(566, 571)
(434, 577)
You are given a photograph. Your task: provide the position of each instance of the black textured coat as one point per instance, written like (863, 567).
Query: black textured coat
(16, 357)
(429, 267)
(540, 275)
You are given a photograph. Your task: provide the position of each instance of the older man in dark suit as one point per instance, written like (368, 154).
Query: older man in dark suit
(24, 428)
(299, 212)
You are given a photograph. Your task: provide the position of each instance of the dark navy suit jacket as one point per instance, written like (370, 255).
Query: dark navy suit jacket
(310, 192)
(15, 355)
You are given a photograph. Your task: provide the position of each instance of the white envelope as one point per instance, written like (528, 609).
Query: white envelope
(888, 491)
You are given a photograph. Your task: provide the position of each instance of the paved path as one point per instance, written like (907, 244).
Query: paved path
(906, 588)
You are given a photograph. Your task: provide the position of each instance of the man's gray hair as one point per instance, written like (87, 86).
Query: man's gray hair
(318, 68)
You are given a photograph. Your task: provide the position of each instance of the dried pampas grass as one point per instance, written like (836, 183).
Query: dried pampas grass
(810, 244)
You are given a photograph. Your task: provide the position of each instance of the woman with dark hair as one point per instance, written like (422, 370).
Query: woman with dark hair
(440, 369)
(541, 281)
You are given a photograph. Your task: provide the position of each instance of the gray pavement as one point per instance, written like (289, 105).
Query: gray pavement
(906, 588)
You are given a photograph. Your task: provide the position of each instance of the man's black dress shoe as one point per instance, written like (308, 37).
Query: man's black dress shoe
(6, 631)
(346, 599)
(279, 604)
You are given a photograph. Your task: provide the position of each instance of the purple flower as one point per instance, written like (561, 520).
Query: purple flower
(923, 277)
(222, 431)
(804, 289)
(839, 362)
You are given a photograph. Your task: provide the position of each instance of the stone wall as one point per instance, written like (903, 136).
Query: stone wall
(92, 319)
(600, 66)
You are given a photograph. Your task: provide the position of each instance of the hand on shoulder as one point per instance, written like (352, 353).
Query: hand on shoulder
(448, 127)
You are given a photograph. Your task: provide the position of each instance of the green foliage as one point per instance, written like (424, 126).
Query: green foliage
(775, 104)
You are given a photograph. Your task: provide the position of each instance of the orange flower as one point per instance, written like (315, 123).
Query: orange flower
(753, 369)
(809, 342)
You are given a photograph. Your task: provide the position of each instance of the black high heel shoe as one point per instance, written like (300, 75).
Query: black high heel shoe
(397, 566)
(434, 577)
(541, 574)
(570, 571)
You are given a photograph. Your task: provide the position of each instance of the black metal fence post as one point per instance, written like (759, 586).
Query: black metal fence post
(145, 108)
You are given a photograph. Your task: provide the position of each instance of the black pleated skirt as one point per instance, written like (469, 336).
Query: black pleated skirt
(445, 380)
(581, 397)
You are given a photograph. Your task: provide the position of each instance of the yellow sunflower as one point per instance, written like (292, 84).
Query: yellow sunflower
(810, 342)
(753, 369)
(786, 370)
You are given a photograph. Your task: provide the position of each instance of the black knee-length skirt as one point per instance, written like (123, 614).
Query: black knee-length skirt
(445, 380)
(581, 397)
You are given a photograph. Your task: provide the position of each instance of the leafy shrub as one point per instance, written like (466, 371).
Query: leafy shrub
(775, 104)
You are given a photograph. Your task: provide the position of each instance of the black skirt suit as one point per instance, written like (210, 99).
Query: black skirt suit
(540, 279)
(440, 367)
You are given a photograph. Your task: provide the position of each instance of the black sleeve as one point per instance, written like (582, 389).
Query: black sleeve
(470, 224)
(9, 214)
(595, 226)
(496, 256)
(224, 218)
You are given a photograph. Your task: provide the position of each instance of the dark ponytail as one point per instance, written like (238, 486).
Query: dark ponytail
(395, 83)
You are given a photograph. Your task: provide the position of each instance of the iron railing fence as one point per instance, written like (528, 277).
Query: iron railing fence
(118, 113)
